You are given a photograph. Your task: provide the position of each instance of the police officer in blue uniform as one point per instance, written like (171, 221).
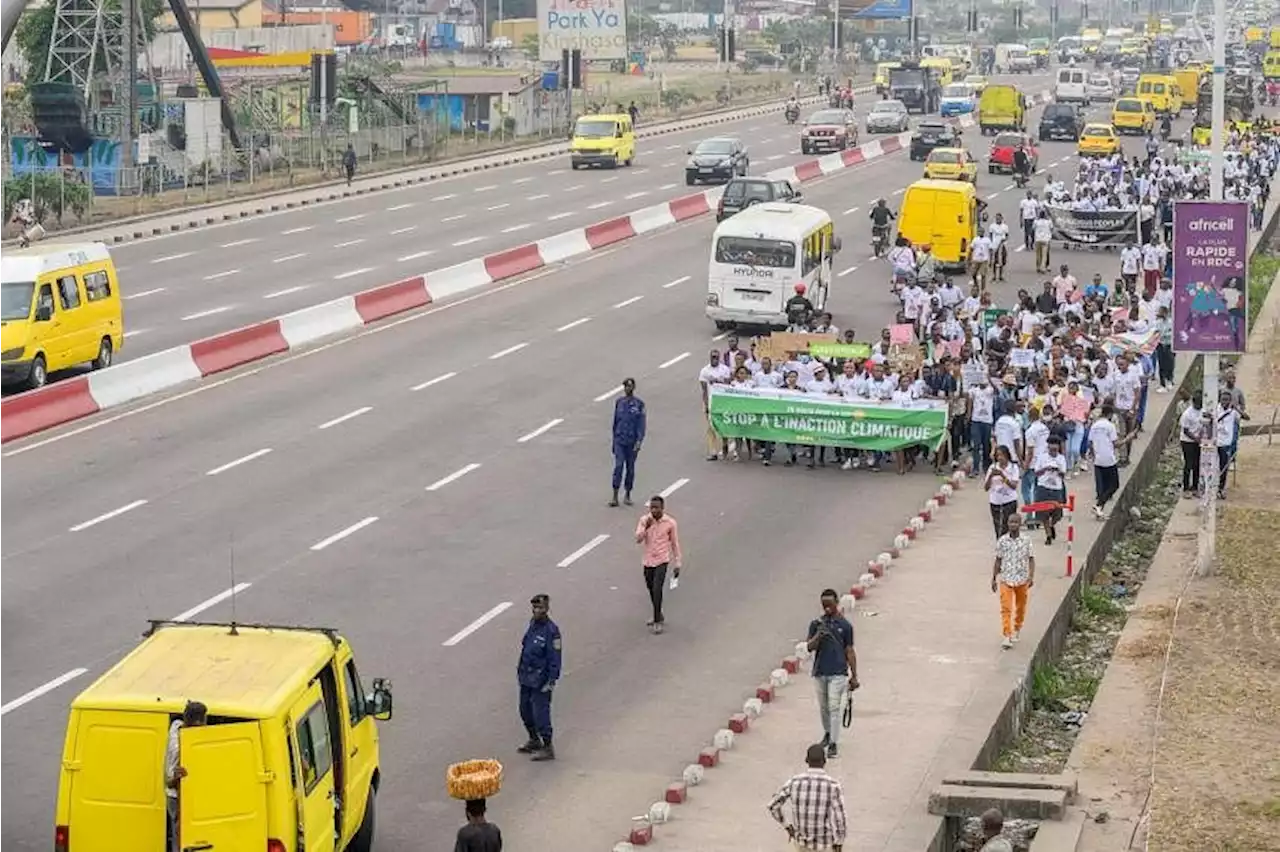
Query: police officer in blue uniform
(538, 671)
(629, 421)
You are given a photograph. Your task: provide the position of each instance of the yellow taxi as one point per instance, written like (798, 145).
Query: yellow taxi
(1133, 115)
(1098, 140)
(951, 164)
(977, 81)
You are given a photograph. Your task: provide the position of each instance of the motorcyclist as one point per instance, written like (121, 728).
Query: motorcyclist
(1021, 165)
(793, 109)
(880, 217)
(1166, 127)
(1153, 146)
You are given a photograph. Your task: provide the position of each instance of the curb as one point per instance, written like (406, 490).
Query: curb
(35, 411)
(204, 215)
(663, 810)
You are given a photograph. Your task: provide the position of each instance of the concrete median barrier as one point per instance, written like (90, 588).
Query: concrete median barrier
(252, 343)
(373, 305)
(604, 234)
(29, 413)
(320, 321)
(150, 374)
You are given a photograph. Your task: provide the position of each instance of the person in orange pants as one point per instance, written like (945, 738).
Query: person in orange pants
(1013, 575)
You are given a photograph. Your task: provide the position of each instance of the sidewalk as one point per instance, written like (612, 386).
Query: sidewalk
(935, 685)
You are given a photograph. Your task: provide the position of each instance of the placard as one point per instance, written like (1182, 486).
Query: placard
(779, 345)
(1074, 407)
(902, 334)
(974, 374)
(856, 351)
(1022, 359)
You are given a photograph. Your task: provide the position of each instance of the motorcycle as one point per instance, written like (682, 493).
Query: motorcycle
(879, 236)
(792, 115)
(1165, 130)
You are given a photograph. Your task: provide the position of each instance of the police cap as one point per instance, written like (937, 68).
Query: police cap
(542, 599)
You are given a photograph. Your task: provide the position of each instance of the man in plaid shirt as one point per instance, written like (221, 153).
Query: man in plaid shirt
(817, 818)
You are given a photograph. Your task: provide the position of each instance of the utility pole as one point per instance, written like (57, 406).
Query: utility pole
(835, 28)
(129, 55)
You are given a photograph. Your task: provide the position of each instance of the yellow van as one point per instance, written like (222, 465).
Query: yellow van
(59, 306)
(1188, 84)
(1162, 92)
(1271, 65)
(882, 75)
(1133, 115)
(944, 214)
(603, 140)
(944, 68)
(288, 758)
(1001, 108)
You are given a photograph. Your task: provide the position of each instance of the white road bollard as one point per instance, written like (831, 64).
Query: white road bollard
(957, 477)
(901, 541)
(802, 648)
(885, 558)
(624, 846)
(931, 505)
(848, 604)
(723, 739)
(867, 580)
(693, 774)
(753, 707)
(660, 812)
(916, 524)
(947, 490)
(779, 677)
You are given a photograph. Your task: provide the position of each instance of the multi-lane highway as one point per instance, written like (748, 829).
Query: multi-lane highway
(413, 485)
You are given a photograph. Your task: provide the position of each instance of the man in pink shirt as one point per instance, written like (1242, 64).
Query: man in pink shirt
(657, 534)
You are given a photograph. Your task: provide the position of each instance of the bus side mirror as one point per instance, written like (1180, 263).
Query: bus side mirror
(836, 244)
(378, 703)
(44, 312)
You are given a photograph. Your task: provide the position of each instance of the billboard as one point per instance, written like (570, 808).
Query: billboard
(596, 27)
(879, 9)
(1210, 276)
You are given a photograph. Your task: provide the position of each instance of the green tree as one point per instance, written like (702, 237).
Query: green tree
(50, 193)
(34, 34)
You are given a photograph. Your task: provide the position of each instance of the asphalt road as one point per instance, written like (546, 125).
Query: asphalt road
(413, 485)
(193, 284)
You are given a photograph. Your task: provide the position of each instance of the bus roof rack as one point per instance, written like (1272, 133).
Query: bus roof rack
(232, 626)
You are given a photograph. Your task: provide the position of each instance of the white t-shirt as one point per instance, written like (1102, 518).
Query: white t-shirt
(1043, 230)
(998, 232)
(1191, 424)
(1130, 257)
(1037, 440)
(1028, 208)
(981, 250)
(1008, 431)
(1152, 257)
(1225, 429)
(1050, 470)
(1002, 492)
(1128, 385)
(710, 375)
(984, 404)
(1102, 442)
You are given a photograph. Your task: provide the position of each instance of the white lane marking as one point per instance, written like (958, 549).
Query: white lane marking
(583, 551)
(350, 218)
(1021, 248)
(289, 257)
(992, 195)
(429, 382)
(286, 291)
(477, 624)
(445, 197)
(454, 218)
(556, 171)
(673, 488)
(505, 352)
(774, 157)
(354, 242)
(350, 415)
(212, 311)
(453, 477)
(667, 186)
(670, 147)
(215, 276)
(899, 191)
(630, 301)
(640, 172)
(845, 272)
(404, 230)
(341, 534)
(851, 210)
(722, 335)
(680, 280)
(468, 241)
(144, 293)
(298, 230)
(598, 205)
(415, 256)
(635, 195)
(170, 257)
(573, 324)
(609, 179)
(243, 242)
(559, 216)
(211, 602)
(609, 393)
(135, 332)
(545, 427)
(537, 197)
(44, 689)
(502, 206)
(515, 228)
(396, 207)
(574, 188)
(522, 180)
(106, 516)
(361, 271)
(491, 186)
(223, 468)
(676, 360)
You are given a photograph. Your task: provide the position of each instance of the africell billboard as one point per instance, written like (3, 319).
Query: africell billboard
(596, 27)
(1210, 275)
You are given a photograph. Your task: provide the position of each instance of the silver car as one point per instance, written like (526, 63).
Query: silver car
(1099, 88)
(888, 117)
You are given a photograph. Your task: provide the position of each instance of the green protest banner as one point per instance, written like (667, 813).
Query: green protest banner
(856, 351)
(990, 315)
(834, 422)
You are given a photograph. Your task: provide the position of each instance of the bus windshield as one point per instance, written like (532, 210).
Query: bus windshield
(750, 251)
(15, 300)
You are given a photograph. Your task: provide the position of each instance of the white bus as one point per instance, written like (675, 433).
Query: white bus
(760, 255)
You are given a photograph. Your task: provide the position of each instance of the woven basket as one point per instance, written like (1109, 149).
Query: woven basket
(474, 779)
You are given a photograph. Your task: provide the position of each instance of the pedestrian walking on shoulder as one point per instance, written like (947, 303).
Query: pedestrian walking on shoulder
(629, 422)
(659, 535)
(810, 806)
(1191, 426)
(835, 667)
(1104, 441)
(992, 838)
(349, 162)
(1012, 576)
(478, 835)
(537, 672)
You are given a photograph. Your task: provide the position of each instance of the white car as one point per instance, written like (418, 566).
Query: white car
(1099, 88)
(888, 117)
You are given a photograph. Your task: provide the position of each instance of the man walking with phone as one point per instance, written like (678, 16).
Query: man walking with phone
(658, 534)
(835, 667)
